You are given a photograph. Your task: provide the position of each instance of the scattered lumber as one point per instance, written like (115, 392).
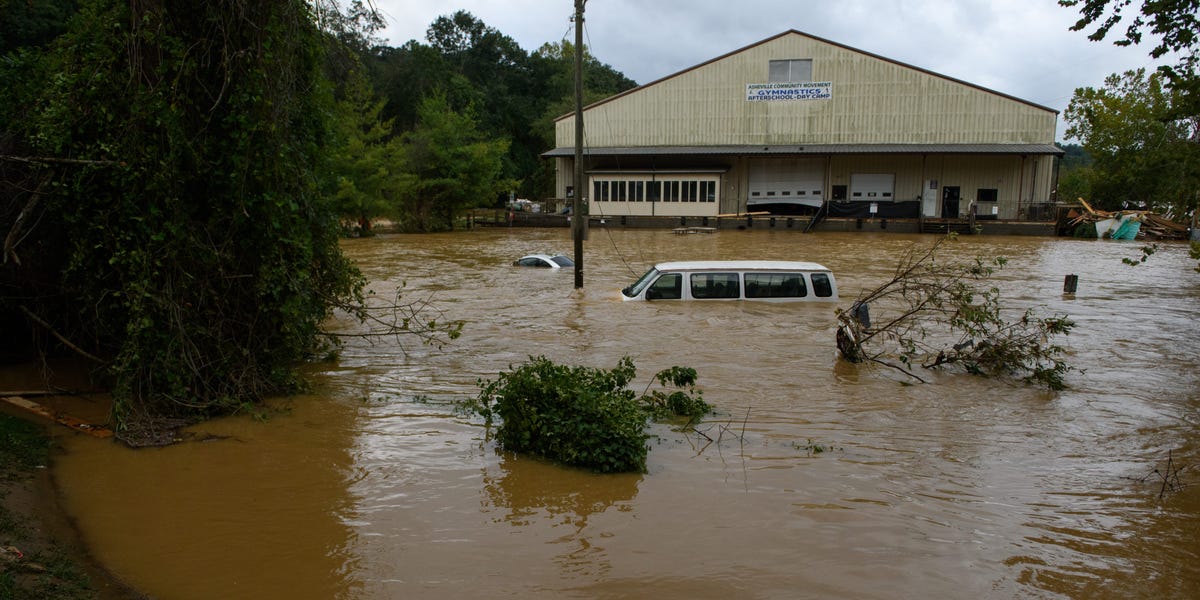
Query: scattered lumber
(1127, 224)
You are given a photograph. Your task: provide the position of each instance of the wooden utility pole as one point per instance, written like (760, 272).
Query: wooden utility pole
(578, 207)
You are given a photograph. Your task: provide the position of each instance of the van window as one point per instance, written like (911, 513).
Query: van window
(821, 285)
(667, 287)
(776, 285)
(714, 285)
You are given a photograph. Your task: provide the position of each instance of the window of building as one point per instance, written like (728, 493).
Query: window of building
(675, 190)
(637, 192)
(671, 191)
(987, 195)
(791, 71)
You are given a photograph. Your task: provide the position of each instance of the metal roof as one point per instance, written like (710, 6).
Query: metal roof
(818, 149)
(739, 265)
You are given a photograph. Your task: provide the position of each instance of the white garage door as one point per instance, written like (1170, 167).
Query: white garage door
(793, 181)
(872, 187)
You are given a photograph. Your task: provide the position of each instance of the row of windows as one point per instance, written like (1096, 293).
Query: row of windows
(704, 286)
(654, 191)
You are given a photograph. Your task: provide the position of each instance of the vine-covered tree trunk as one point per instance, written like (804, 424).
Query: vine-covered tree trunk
(201, 256)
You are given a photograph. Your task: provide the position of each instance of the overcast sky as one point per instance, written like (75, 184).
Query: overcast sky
(1019, 47)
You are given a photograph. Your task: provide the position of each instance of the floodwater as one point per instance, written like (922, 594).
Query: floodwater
(823, 479)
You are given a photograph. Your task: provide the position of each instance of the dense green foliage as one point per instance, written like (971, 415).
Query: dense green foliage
(454, 124)
(367, 173)
(582, 416)
(1143, 131)
(513, 95)
(1142, 157)
(31, 24)
(451, 165)
(1074, 170)
(167, 216)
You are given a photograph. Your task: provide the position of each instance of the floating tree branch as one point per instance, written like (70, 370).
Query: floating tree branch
(939, 313)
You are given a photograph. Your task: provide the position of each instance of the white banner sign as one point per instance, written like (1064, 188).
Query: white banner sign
(770, 92)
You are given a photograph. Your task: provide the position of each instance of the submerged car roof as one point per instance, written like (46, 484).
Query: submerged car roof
(740, 265)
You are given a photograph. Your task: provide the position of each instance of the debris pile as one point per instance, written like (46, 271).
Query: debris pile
(1123, 224)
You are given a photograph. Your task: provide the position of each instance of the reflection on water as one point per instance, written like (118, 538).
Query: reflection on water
(526, 492)
(375, 488)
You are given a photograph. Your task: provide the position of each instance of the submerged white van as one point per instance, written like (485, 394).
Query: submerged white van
(763, 280)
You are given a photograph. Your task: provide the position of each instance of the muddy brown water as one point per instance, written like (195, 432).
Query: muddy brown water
(372, 487)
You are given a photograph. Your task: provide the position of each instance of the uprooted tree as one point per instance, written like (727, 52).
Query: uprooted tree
(938, 312)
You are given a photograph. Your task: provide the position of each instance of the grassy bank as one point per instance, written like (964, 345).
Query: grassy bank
(34, 562)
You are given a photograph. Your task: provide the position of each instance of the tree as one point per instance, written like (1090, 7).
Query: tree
(168, 157)
(1143, 156)
(366, 177)
(510, 92)
(939, 313)
(404, 76)
(554, 69)
(1175, 22)
(451, 166)
(25, 24)
(1075, 172)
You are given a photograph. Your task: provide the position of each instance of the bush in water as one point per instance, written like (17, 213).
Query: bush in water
(577, 416)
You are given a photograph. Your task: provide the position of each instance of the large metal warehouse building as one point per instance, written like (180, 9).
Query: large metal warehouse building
(796, 122)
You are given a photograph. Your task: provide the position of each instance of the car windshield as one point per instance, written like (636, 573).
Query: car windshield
(563, 261)
(635, 289)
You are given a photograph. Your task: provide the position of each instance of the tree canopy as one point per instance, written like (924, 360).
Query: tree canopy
(514, 95)
(452, 165)
(1143, 130)
(1143, 156)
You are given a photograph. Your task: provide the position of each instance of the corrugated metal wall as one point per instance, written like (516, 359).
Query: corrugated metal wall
(874, 101)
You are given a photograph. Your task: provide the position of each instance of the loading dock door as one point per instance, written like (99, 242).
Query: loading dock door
(798, 181)
(872, 187)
